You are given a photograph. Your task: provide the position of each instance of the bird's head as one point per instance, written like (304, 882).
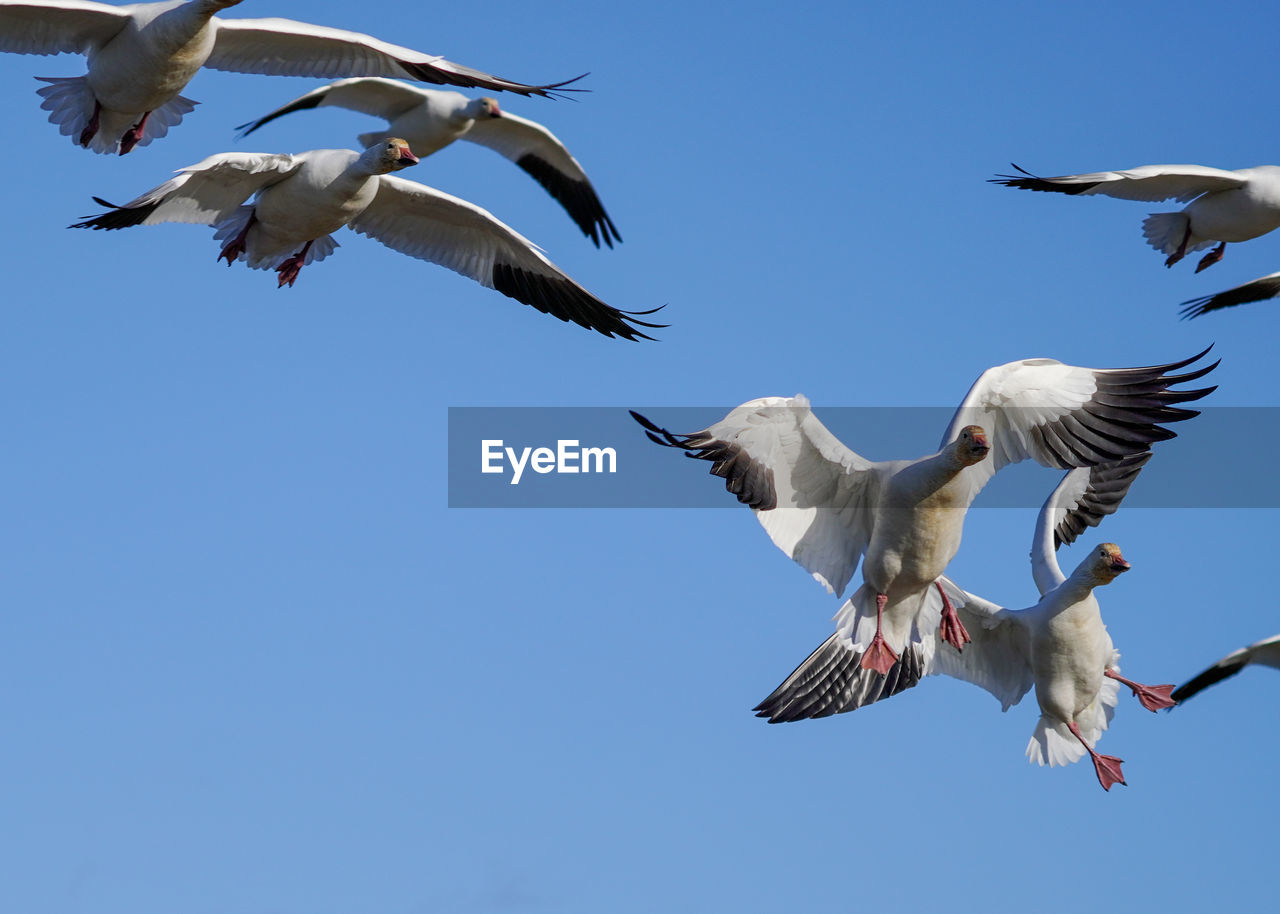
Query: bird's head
(391, 154)
(1106, 563)
(489, 107)
(972, 446)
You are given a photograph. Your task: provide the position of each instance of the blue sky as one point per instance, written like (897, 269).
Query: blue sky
(251, 661)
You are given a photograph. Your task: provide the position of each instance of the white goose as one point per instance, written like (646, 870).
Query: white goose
(142, 55)
(301, 198)
(1059, 645)
(431, 119)
(826, 507)
(1226, 206)
(1264, 653)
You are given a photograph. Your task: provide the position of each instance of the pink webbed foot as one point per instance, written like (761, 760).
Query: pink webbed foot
(1108, 770)
(290, 269)
(1107, 767)
(1212, 257)
(951, 628)
(91, 130)
(237, 246)
(1153, 698)
(1182, 248)
(879, 656)
(134, 134)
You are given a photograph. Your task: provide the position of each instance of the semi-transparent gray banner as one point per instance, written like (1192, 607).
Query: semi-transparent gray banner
(599, 457)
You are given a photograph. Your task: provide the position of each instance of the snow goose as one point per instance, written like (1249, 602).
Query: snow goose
(1260, 289)
(1060, 645)
(142, 55)
(430, 119)
(827, 507)
(1265, 652)
(301, 198)
(1225, 205)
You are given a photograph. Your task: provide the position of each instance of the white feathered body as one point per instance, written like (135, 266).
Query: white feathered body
(1235, 215)
(921, 511)
(920, 520)
(440, 119)
(332, 187)
(141, 69)
(1070, 654)
(153, 57)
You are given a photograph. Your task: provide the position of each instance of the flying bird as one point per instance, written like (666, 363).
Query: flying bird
(430, 119)
(1060, 645)
(298, 200)
(1226, 206)
(1259, 289)
(1265, 652)
(140, 56)
(828, 507)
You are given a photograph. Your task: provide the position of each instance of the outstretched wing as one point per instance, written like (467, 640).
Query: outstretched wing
(1063, 416)
(1265, 652)
(998, 655)
(1084, 497)
(1150, 183)
(423, 222)
(1259, 289)
(203, 194)
(384, 98)
(831, 680)
(537, 150)
(58, 26)
(814, 496)
(283, 47)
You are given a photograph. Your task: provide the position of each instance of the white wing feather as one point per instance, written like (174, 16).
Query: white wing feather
(1153, 183)
(61, 27)
(515, 137)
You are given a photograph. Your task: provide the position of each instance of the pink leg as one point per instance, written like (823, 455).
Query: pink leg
(133, 134)
(951, 628)
(1182, 248)
(290, 269)
(879, 656)
(1153, 698)
(236, 246)
(91, 130)
(1212, 257)
(1106, 766)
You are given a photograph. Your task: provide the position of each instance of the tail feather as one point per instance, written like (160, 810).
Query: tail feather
(70, 103)
(1164, 232)
(1053, 744)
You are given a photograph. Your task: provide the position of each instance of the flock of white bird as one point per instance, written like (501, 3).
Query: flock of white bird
(277, 211)
(820, 502)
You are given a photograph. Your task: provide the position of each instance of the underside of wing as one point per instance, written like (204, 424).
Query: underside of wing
(58, 26)
(998, 655)
(1148, 183)
(1265, 652)
(536, 149)
(376, 96)
(1259, 289)
(283, 47)
(831, 681)
(813, 495)
(202, 194)
(1064, 416)
(425, 223)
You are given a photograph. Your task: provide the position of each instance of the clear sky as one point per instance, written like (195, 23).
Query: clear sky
(252, 662)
